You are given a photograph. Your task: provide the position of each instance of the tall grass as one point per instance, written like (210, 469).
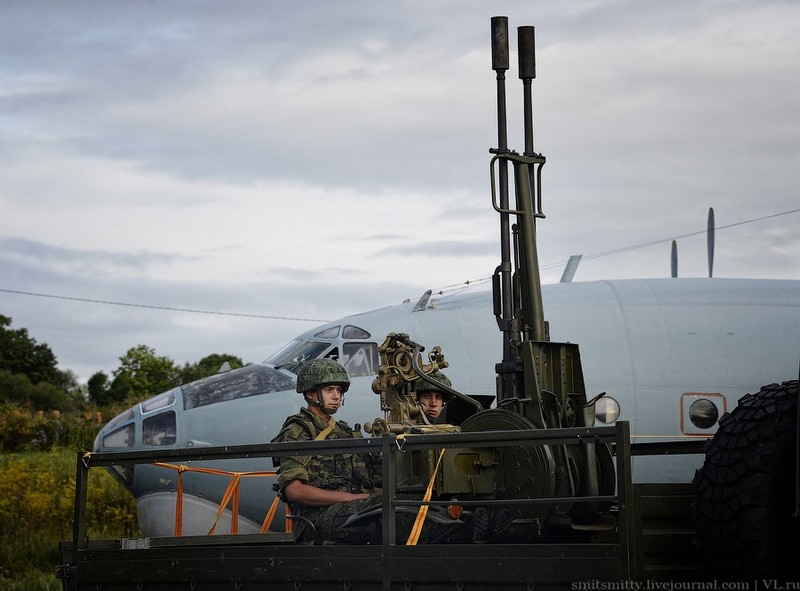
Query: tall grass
(36, 513)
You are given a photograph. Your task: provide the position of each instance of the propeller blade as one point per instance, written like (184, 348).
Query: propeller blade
(710, 240)
(674, 259)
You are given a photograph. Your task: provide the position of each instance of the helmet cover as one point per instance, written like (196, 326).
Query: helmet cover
(321, 372)
(419, 385)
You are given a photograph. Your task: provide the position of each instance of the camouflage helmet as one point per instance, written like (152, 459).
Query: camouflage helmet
(321, 372)
(419, 385)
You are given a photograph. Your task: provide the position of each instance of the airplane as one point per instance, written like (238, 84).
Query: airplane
(671, 354)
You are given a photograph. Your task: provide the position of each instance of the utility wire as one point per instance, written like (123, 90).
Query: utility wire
(597, 255)
(661, 241)
(448, 288)
(91, 301)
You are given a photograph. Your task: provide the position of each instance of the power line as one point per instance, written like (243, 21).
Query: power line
(129, 305)
(597, 255)
(662, 240)
(449, 288)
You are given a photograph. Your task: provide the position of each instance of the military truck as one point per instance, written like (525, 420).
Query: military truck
(529, 494)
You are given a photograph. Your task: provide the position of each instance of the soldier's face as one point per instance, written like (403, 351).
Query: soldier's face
(331, 398)
(431, 403)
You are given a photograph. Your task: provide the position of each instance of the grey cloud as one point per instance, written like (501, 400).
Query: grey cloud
(22, 251)
(444, 248)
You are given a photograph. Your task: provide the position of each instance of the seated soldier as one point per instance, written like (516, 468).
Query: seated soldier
(325, 489)
(430, 397)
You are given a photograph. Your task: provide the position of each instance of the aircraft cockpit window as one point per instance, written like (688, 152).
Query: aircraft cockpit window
(159, 430)
(291, 358)
(354, 332)
(283, 351)
(360, 359)
(121, 418)
(122, 437)
(161, 401)
(250, 380)
(328, 333)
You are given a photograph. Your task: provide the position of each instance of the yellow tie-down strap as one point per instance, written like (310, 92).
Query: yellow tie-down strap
(416, 530)
(231, 494)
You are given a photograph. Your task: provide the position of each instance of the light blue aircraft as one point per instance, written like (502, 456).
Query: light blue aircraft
(672, 355)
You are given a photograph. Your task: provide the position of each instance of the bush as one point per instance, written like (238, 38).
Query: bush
(22, 429)
(36, 513)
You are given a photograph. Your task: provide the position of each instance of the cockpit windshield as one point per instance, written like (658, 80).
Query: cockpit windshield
(296, 352)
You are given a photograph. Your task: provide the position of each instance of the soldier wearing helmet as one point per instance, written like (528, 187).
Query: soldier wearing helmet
(324, 489)
(430, 397)
(327, 381)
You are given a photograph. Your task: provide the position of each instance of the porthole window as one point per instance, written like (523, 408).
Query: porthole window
(703, 413)
(606, 410)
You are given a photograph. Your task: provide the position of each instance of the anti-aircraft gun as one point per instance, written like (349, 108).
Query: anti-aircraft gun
(539, 383)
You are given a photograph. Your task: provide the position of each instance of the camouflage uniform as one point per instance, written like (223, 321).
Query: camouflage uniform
(347, 472)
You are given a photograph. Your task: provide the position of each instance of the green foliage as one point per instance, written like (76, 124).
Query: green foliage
(36, 580)
(208, 366)
(143, 374)
(36, 510)
(22, 429)
(19, 353)
(28, 373)
(17, 387)
(44, 415)
(98, 388)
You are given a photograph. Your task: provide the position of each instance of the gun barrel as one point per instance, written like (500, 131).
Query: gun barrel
(500, 43)
(526, 47)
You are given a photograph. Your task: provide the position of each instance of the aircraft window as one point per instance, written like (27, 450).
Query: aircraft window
(122, 437)
(360, 359)
(283, 351)
(328, 333)
(606, 410)
(700, 411)
(250, 380)
(303, 351)
(159, 430)
(703, 413)
(353, 332)
(121, 418)
(161, 401)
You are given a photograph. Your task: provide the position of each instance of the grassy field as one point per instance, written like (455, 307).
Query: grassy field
(36, 505)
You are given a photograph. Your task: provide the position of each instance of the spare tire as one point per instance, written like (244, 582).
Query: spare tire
(745, 527)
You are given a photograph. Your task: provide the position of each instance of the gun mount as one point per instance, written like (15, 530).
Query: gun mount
(401, 365)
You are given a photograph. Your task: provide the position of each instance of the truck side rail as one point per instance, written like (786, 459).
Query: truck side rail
(620, 558)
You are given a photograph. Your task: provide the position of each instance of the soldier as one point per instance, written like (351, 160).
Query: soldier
(430, 397)
(325, 489)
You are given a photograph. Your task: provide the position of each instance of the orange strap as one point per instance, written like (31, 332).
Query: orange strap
(413, 537)
(273, 508)
(231, 492)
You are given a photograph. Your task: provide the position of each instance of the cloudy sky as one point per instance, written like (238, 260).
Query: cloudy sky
(291, 162)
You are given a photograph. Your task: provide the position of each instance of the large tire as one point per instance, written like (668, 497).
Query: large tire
(744, 524)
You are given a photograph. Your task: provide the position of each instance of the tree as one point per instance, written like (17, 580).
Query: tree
(142, 374)
(98, 388)
(19, 353)
(208, 366)
(17, 387)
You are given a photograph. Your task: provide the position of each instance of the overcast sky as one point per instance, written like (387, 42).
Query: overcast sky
(308, 160)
